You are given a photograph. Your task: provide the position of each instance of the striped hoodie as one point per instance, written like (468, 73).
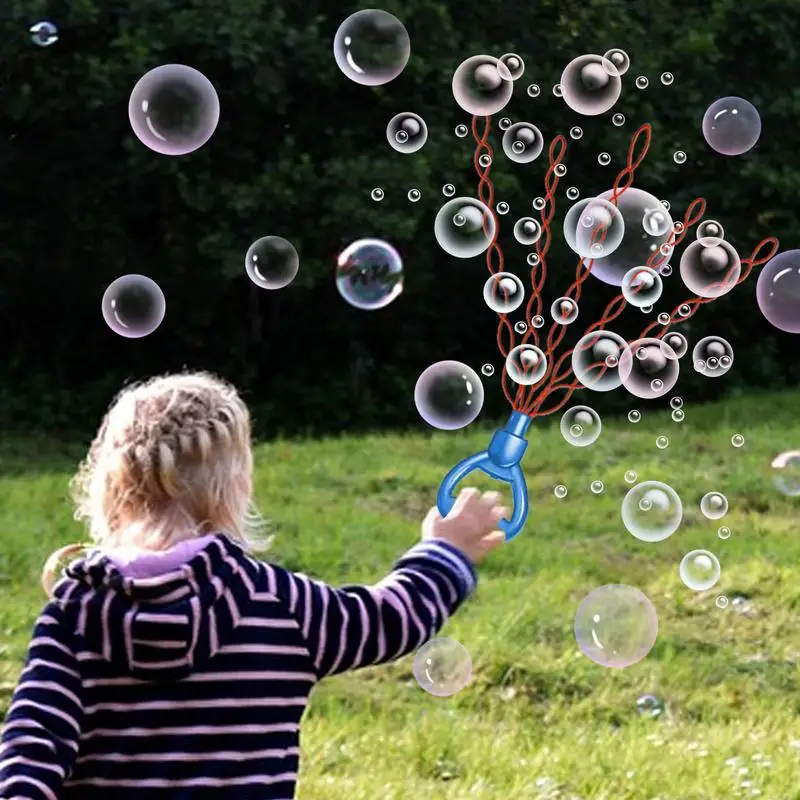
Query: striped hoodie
(190, 684)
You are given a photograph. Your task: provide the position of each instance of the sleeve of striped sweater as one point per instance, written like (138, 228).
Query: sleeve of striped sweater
(40, 737)
(358, 626)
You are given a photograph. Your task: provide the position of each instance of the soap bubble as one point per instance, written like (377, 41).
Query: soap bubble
(786, 473)
(630, 476)
(591, 85)
(714, 505)
(523, 143)
(676, 341)
(619, 60)
(679, 157)
(656, 221)
(504, 123)
(597, 487)
(560, 170)
(538, 321)
(572, 193)
(710, 233)
(502, 208)
(133, 306)
(648, 705)
(667, 78)
(699, 570)
(377, 194)
(461, 131)
(604, 159)
(642, 286)
(642, 82)
(778, 291)
(731, 126)
(371, 47)
(649, 368)
(369, 274)
(448, 395)
(527, 231)
(479, 86)
(514, 66)
(407, 132)
(710, 271)
(593, 357)
(534, 90)
(521, 326)
(464, 227)
(448, 190)
(652, 511)
(594, 228)
(564, 310)
(442, 667)
(724, 532)
(636, 245)
(716, 354)
(485, 160)
(414, 195)
(616, 626)
(618, 120)
(560, 491)
(721, 601)
(503, 292)
(43, 33)
(271, 262)
(576, 132)
(581, 426)
(558, 91)
(662, 442)
(173, 109)
(676, 402)
(634, 416)
(526, 364)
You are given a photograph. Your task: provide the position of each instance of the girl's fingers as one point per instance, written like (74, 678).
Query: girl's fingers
(466, 497)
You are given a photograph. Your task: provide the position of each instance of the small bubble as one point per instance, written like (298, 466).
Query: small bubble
(648, 705)
(678, 227)
(665, 270)
(576, 132)
(521, 327)
(678, 415)
(572, 193)
(534, 90)
(560, 491)
(665, 251)
(679, 157)
(43, 33)
(377, 194)
(461, 131)
(503, 208)
(634, 416)
(558, 90)
(538, 321)
(504, 124)
(485, 160)
(414, 195)
(642, 82)
(664, 318)
(532, 259)
(604, 159)
(611, 361)
(538, 203)
(448, 190)
(618, 120)
(676, 402)
(487, 370)
(737, 440)
(666, 204)
(630, 476)
(597, 487)
(722, 601)
(662, 442)
(667, 78)
(684, 310)
(724, 532)
(560, 170)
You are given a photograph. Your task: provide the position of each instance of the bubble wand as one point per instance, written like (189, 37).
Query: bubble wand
(502, 459)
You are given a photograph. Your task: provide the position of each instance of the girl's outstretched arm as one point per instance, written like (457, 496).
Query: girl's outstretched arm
(40, 737)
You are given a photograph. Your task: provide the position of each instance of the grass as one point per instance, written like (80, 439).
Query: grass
(539, 720)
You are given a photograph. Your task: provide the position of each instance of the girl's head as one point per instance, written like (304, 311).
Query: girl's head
(171, 461)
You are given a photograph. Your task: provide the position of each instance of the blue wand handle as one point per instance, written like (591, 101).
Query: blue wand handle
(501, 461)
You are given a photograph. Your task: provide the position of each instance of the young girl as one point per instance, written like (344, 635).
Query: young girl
(169, 662)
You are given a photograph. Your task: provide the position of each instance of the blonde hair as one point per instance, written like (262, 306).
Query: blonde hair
(172, 460)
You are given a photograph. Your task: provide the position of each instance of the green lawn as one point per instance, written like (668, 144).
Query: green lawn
(539, 719)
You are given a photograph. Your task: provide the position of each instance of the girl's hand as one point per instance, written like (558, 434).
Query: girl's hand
(471, 526)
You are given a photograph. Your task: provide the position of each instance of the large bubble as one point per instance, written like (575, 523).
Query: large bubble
(786, 473)
(642, 286)
(272, 262)
(710, 271)
(482, 86)
(442, 667)
(522, 142)
(616, 626)
(407, 132)
(503, 292)
(464, 227)
(638, 244)
(649, 368)
(581, 426)
(652, 511)
(731, 126)
(133, 306)
(371, 47)
(596, 358)
(369, 274)
(677, 341)
(173, 109)
(594, 227)
(590, 85)
(778, 291)
(712, 356)
(448, 395)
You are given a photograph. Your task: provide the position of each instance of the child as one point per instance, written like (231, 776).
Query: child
(172, 664)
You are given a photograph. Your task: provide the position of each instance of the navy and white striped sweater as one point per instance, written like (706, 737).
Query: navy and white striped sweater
(192, 684)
